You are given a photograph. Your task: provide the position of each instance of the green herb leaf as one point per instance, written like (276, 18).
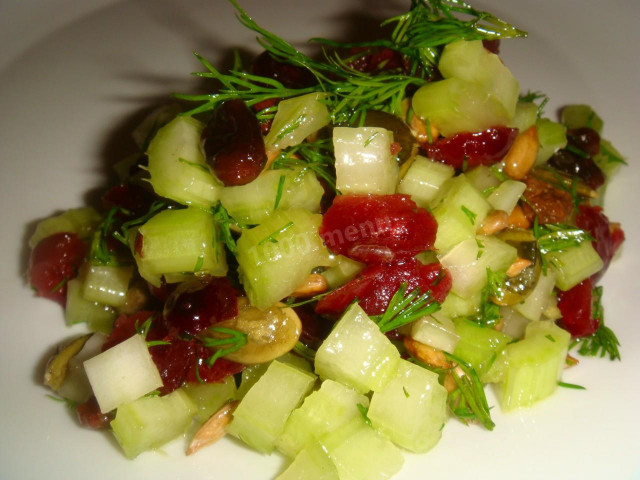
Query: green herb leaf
(604, 341)
(363, 411)
(405, 308)
(571, 385)
(470, 215)
(272, 236)
(280, 190)
(233, 341)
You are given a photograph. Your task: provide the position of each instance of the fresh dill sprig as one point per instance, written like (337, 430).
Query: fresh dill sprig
(316, 156)
(603, 342)
(305, 351)
(571, 385)
(224, 221)
(470, 215)
(557, 237)
(405, 308)
(272, 236)
(363, 411)
(534, 97)
(489, 312)
(234, 341)
(280, 191)
(67, 401)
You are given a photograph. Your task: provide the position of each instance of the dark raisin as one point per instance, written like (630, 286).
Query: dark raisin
(585, 139)
(291, 76)
(583, 167)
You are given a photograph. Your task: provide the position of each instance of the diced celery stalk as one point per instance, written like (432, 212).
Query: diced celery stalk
(609, 159)
(483, 178)
(360, 453)
(456, 306)
(551, 137)
(574, 264)
(277, 256)
(179, 241)
(150, 422)
(459, 210)
(98, 316)
(209, 397)
(363, 160)
(478, 345)
(177, 166)
(254, 202)
(296, 119)
(576, 116)
(122, 373)
(437, 331)
(76, 385)
(513, 322)
(262, 414)
(468, 261)
(470, 61)
(455, 105)
(525, 116)
(411, 409)
(424, 179)
(533, 365)
(357, 353)
(344, 270)
(311, 463)
(252, 373)
(537, 300)
(506, 196)
(156, 119)
(325, 410)
(107, 285)
(80, 221)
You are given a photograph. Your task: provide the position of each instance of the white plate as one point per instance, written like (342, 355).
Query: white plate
(74, 78)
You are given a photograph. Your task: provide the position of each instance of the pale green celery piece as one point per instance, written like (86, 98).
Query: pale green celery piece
(537, 300)
(252, 373)
(363, 160)
(262, 414)
(253, 203)
(506, 195)
(177, 166)
(277, 256)
(322, 412)
(534, 365)
(483, 178)
(609, 160)
(178, 242)
(357, 353)
(455, 105)
(552, 136)
(81, 221)
(107, 285)
(411, 409)
(98, 316)
(576, 116)
(437, 331)
(342, 271)
(478, 345)
(296, 119)
(513, 323)
(312, 463)
(427, 257)
(574, 264)
(150, 422)
(122, 373)
(456, 306)
(209, 397)
(454, 227)
(525, 116)
(156, 119)
(470, 61)
(360, 453)
(424, 179)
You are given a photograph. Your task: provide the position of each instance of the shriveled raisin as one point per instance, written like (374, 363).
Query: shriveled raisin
(549, 203)
(291, 76)
(585, 139)
(582, 167)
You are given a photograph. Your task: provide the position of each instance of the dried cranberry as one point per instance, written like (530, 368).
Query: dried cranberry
(377, 228)
(173, 362)
(314, 328)
(575, 305)
(54, 261)
(135, 200)
(291, 76)
(376, 284)
(233, 144)
(376, 60)
(126, 326)
(606, 240)
(582, 167)
(492, 45)
(220, 370)
(196, 306)
(90, 416)
(477, 148)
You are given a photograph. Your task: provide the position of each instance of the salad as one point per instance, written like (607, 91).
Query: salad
(399, 205)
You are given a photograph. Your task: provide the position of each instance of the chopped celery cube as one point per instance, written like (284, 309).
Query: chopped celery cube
(411, 409)
(576, 116)
(551, 137)
(177, 166)
(252, 373)
(98, 316)
(277, 256)
(81, 221)
(424, 179)
(107, 285)
(254, 202)
(312, 463)
(437, 331)
(574, 264)
(533, 365)
(323, 411)
(150, 422)
(296, 119)
(525, 116)
(209, 397)
(262, 414)
(122, 373)
(506, 196)
(357, 353)
(360, 453)
(364, 163)
(535, 303)
(178, 241)
(483, 178)
(343, 270)
(456, 306)
(478, 345)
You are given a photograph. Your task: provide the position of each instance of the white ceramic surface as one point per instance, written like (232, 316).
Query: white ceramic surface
(75, 76)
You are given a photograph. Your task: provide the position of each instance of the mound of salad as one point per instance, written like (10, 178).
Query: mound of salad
(335, 255)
